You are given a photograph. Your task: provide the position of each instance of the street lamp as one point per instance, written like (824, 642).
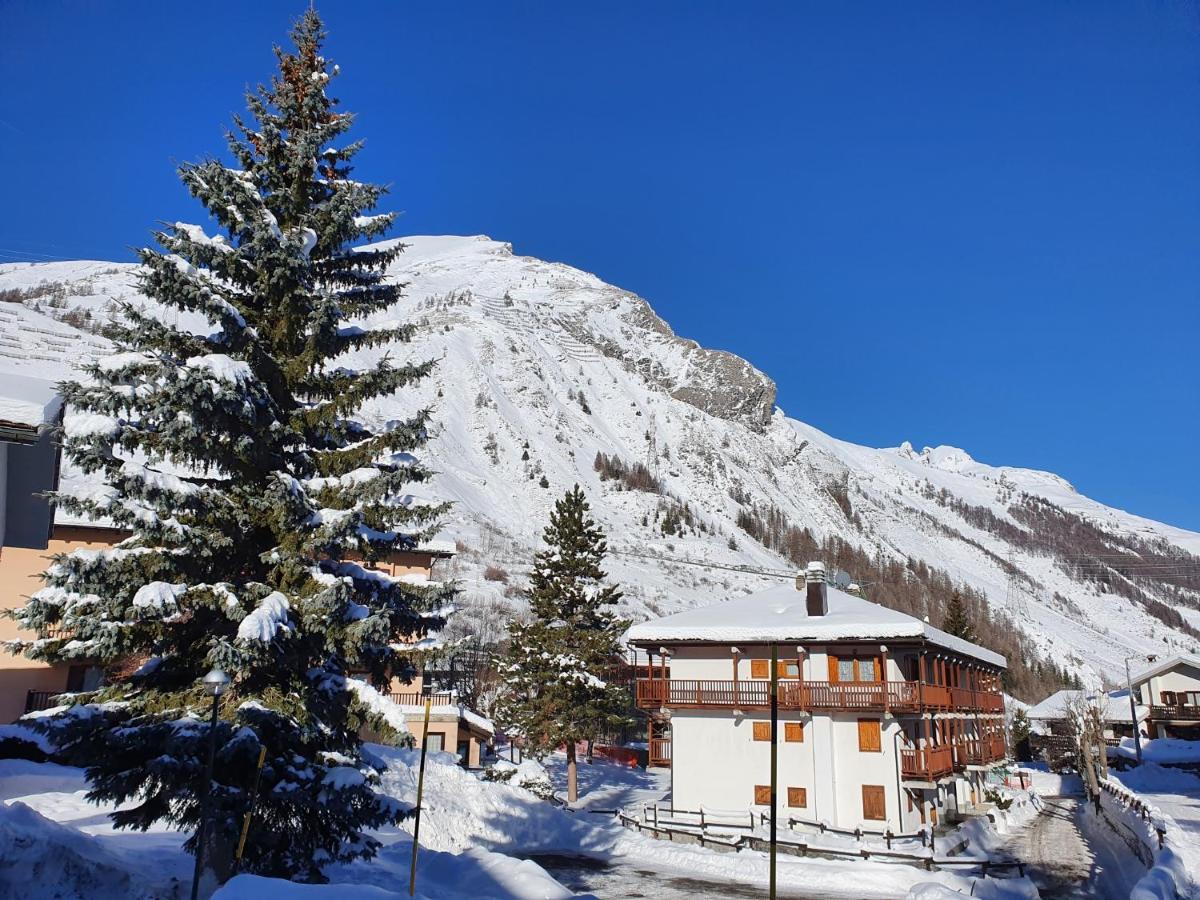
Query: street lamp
(214, 683)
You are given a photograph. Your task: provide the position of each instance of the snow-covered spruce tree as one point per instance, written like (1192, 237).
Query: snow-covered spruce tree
(956, 620)
(555, 692)
(256, 501)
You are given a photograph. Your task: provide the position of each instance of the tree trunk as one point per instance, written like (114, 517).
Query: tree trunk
(572, 774)
(590, 745)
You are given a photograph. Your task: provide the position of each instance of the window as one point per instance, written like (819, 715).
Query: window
(794, 732)
(855, 669)
(798, 797)
(436, 741)
(869, 737)
(762, 795)
(762, 731)
(760, 668)
(873, 802)
(788, 668)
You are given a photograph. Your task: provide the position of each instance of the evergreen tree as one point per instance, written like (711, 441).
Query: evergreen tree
(257, 497)
(1019, 732)
(555, 690)
(956, 621)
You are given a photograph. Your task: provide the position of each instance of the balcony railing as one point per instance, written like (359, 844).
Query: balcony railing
(1187, 712)
(980, 751)
(660, 751)
(900, 696)
(927, 764)
(35, 701)
(415, 698)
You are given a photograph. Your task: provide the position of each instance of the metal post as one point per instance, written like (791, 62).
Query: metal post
(1137, 737)
(205, 794)
(774, 754)
(412, 868)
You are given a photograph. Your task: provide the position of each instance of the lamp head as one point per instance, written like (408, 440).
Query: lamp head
(215, 683)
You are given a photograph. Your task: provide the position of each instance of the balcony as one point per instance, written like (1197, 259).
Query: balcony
(928, 764)
(1180, 712)
(896, 696)
(415, 698)
(36, 701)
(980, 751)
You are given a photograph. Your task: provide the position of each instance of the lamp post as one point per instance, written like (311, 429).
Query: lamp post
(214, 683)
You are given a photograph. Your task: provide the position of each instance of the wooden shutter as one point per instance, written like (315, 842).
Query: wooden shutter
(762, 795)
(870, 739)
(873, 802)
(787, 668)
(878, 669)
(794, 732)
(833, 668)
(760, 668)
(762, 731)
(798, 797)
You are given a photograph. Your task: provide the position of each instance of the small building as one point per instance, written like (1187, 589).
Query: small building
(1052, 734)
(1171, 691)
(885, 723)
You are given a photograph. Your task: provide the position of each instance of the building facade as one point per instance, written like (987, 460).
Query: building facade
(885, 723)
(1171, 691)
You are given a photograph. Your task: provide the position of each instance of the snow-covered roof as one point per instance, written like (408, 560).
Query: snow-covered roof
(779, 613)
(1179, 659)
(27, 401)
(1115, 705)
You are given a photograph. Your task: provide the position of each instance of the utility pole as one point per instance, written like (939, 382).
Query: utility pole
(1137, 735)
(774, 755)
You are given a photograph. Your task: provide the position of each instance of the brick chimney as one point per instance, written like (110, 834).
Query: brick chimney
(817, 600)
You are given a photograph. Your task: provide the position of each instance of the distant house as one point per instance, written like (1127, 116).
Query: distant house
(1171, 691)
(884, 721)
(1051, 729)
(32, 531)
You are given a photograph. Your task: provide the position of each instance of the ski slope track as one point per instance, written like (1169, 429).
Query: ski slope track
(542, 360)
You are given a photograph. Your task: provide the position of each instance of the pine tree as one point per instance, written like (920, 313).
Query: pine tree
(555, 692)
(235, 453)
(1019, 732)
(956, 620)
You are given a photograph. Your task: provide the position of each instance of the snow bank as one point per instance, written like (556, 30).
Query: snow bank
(28, 401)
(1160, 750)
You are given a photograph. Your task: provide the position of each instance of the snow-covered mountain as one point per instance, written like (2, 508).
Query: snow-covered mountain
(543, 366)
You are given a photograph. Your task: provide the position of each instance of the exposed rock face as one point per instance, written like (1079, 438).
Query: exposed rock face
(714, 381)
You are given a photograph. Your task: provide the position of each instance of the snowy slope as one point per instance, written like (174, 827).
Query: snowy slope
(541, 360)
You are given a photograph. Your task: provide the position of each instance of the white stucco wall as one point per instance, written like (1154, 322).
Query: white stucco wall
(1182, 678)
(716, 663)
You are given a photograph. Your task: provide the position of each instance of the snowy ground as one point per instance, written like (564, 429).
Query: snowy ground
(476, 836)
(1175, 793)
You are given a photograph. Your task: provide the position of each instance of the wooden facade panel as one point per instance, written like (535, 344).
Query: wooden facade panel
(762, 731)
(794, 732)
(762, 795)
(797, 797)
(760, 668)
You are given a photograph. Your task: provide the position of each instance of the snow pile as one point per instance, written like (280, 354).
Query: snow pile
(1173, 796)
(1160, 750)
(31, 402)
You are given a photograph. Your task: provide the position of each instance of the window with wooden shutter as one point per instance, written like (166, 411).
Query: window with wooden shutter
(762, 731)
(833, 668)
(788, 668)
(870, 739)
(873, 802)
(794, 732)
(760, 668)
(798, 797)
(762, 795)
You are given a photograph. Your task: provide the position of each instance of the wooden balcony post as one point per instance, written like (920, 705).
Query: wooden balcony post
(883, 677)
(921, 680)
(735, 652)
(801, 700)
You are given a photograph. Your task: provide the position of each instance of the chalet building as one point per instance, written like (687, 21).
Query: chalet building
(885, 723)
(1171, 691)
(1052, 733)
(32, 531)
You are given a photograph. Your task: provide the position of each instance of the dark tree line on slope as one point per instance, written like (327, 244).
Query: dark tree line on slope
(918, 589)
(255, 499)
(1120, 564)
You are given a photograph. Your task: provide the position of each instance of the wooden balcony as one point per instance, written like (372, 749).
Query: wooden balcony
(927, 765)
(896, 696)
(1179, 712)
(660, 751)
(980, 751)
(415, 698)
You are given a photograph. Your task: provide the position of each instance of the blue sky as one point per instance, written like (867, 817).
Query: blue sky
(948, 223)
